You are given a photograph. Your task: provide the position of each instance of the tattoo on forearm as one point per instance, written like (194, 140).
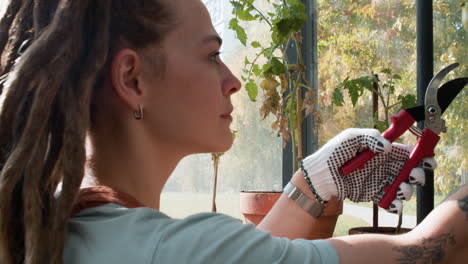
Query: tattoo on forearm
(431, 250)
(463, 204)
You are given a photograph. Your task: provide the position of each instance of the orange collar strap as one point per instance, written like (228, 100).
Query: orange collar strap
(97, 196)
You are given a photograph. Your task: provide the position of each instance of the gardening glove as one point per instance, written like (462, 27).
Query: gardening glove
(322, 169)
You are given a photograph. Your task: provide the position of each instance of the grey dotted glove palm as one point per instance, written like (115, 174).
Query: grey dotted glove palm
(324, 168)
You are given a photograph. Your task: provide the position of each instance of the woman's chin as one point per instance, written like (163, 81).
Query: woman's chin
(222, 145)
(212, 144)
(225, 148)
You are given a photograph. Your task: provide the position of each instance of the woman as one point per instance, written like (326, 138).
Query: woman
(142, 85)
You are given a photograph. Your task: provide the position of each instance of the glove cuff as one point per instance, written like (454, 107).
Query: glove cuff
(319, 178)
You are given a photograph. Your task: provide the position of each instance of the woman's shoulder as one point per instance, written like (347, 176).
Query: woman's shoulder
(114, 214)
(112, 230)
(114, 234)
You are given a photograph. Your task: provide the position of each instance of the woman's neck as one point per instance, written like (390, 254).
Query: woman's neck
(131, 165)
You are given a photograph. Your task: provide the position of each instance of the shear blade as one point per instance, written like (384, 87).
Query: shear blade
(449, 91)
(437, 79)
(445, 95)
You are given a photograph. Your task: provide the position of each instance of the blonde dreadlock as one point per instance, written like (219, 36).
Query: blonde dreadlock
(47, 108)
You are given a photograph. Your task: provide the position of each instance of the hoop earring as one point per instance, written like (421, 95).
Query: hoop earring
(138, 115)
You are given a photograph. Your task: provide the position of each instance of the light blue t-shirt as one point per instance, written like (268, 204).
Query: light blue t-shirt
(116, 235)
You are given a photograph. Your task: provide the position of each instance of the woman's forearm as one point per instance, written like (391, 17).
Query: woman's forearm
(445, 230)
(441, 238)
(287, 219)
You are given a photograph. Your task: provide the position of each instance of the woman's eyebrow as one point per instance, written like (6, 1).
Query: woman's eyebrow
(212, 38)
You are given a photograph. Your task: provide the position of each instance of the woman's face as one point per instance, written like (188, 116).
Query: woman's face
(189, 107)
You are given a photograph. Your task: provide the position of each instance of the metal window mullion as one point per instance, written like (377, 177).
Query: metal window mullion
(425, 71)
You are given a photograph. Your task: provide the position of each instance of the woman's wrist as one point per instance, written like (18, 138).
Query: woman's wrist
(333, 207)
(313, 207)
(299, 181)
(319, 178)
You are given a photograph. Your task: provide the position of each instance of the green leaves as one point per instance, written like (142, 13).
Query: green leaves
(255, 44)
(240, 31)
(387, 71)
(338, 98)
(281, 82)
(396, 77)
(407, 101)
(284, 26)
(236, 6)
(290, 18)
(256, 70)
(245, 15)
(383, 86)
(252, 90)
(242, 10)
(380, 125)
(276, 66)
(355, 89)
(289, 25)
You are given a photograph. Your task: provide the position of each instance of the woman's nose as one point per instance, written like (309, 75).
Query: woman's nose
(231, 83)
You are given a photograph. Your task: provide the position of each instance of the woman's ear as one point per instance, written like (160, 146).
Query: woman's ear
(126, 73)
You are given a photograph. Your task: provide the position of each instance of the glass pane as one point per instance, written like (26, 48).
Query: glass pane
(451, 45)
(358, 39)
(253, 163)
(3, 7)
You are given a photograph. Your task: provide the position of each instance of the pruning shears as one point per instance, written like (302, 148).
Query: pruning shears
(436, 102)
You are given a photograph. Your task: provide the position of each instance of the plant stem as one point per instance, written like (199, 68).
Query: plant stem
(293, 143)
(400, 221)
(393, 105)
(291, 128)
(300, 62)
(299, 126)
(375, 112)
(253, 62)
(387, 109)
(215, 166)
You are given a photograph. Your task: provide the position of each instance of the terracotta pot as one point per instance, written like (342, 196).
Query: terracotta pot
(324, 226)
(379, 230)
(255, 205)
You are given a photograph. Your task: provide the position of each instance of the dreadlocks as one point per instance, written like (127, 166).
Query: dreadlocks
(53, 56)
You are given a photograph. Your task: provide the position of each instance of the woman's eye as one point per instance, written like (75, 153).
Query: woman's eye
(215, 57)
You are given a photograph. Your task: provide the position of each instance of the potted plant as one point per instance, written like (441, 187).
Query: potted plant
(279, 85)
(383, 90)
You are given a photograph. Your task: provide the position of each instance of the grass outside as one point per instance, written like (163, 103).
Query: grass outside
(409, 207)
(346, 222)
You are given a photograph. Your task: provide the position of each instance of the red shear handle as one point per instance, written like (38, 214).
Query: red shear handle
(400, 123)
(358, 162)
(424, 148)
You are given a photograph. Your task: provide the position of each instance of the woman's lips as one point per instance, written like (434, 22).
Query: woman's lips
(227, 114)
(227, 117)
